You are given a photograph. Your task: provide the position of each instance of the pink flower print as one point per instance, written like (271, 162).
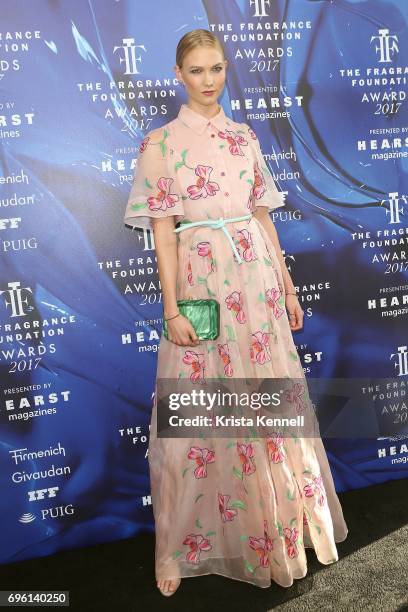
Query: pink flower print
(204, 250)
(246, 453)
(234, 140)
(262, 546)
(272, 296)
(259, 186)
(252, 133)
(196, 360)
(201, 456)
(246, 244)
(294, 396)
(316, 486)
(227, 514)
(197, 543)
(143, 144)
(224, 354)
(259, 351)
(164, 198)
(274, 444)
(291, 535)
(189, 273)
(234, 303)
(203, 186)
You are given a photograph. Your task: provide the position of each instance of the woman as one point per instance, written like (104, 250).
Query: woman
(241, 508)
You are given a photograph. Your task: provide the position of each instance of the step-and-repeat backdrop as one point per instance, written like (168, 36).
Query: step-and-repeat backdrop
(324, 85)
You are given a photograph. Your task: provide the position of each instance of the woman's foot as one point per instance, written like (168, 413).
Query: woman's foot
(168, 586)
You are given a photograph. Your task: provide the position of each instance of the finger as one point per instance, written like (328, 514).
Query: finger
(193, 335)
(185, 340)
(194, 339)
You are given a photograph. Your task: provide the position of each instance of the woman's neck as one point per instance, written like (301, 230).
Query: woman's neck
(206, 111)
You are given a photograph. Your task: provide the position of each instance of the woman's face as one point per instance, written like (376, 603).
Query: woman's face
(204, 69)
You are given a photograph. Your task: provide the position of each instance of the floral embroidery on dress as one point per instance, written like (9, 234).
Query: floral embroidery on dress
(196, 360)
(246, 455)
(234, 140)
(234, 303)
(262, 546)
(227, 514)
(272, 297)
(291, 536)
(204, 250)
(259, 350)
(164, 198)
(294, 396)
(252, 133)
(201, 456)
(245, 245)
(203, 186)
(226, 359)
(143, 144)
(259, 186)
(197, 544)
(316, 487)
(275, 447)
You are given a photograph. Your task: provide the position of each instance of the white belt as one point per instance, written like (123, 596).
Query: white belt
(217, 224)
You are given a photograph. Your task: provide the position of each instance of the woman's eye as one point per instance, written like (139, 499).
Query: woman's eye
(197, 70)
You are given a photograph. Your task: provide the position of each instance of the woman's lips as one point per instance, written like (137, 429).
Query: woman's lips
(208, 93)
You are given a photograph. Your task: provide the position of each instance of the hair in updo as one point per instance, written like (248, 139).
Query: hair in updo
(196, 38)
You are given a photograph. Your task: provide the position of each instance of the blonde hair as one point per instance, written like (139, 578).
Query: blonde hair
(196, 38)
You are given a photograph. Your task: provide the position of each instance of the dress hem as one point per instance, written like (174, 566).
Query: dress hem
(258, 585)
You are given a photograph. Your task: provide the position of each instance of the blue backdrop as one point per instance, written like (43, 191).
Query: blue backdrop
(324, 86)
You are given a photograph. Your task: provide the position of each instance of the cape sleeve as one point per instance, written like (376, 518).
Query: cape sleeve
(155, 191)
(264, 191)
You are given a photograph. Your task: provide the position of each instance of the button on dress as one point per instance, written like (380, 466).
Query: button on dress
(243, 508)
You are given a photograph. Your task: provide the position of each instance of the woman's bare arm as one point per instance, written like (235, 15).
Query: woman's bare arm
(166, 251)
(180, 330)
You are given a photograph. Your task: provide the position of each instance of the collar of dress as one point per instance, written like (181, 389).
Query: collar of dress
(198, 122)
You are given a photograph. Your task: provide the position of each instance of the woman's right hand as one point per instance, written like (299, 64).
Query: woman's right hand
(181, 332)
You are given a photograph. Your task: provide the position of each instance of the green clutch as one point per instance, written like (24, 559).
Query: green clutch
(204, 315)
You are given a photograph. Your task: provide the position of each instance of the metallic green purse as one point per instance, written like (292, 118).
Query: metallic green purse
(204, 316)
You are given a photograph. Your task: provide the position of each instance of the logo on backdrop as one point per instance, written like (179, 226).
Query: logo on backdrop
(128, 55)
(385, 242)
(20, 455)
(400, 361)
(16, 300)
(395, 209)
(388, 396)
(42, 493)
(48, 513)
(387, 45)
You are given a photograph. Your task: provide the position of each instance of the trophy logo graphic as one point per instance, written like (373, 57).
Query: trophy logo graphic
(129, 57)
(15, 298)
(387, 47)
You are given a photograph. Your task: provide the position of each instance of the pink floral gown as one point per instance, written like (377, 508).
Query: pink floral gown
(243, 508)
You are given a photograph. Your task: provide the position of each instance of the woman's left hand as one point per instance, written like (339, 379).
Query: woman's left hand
(295, 312)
